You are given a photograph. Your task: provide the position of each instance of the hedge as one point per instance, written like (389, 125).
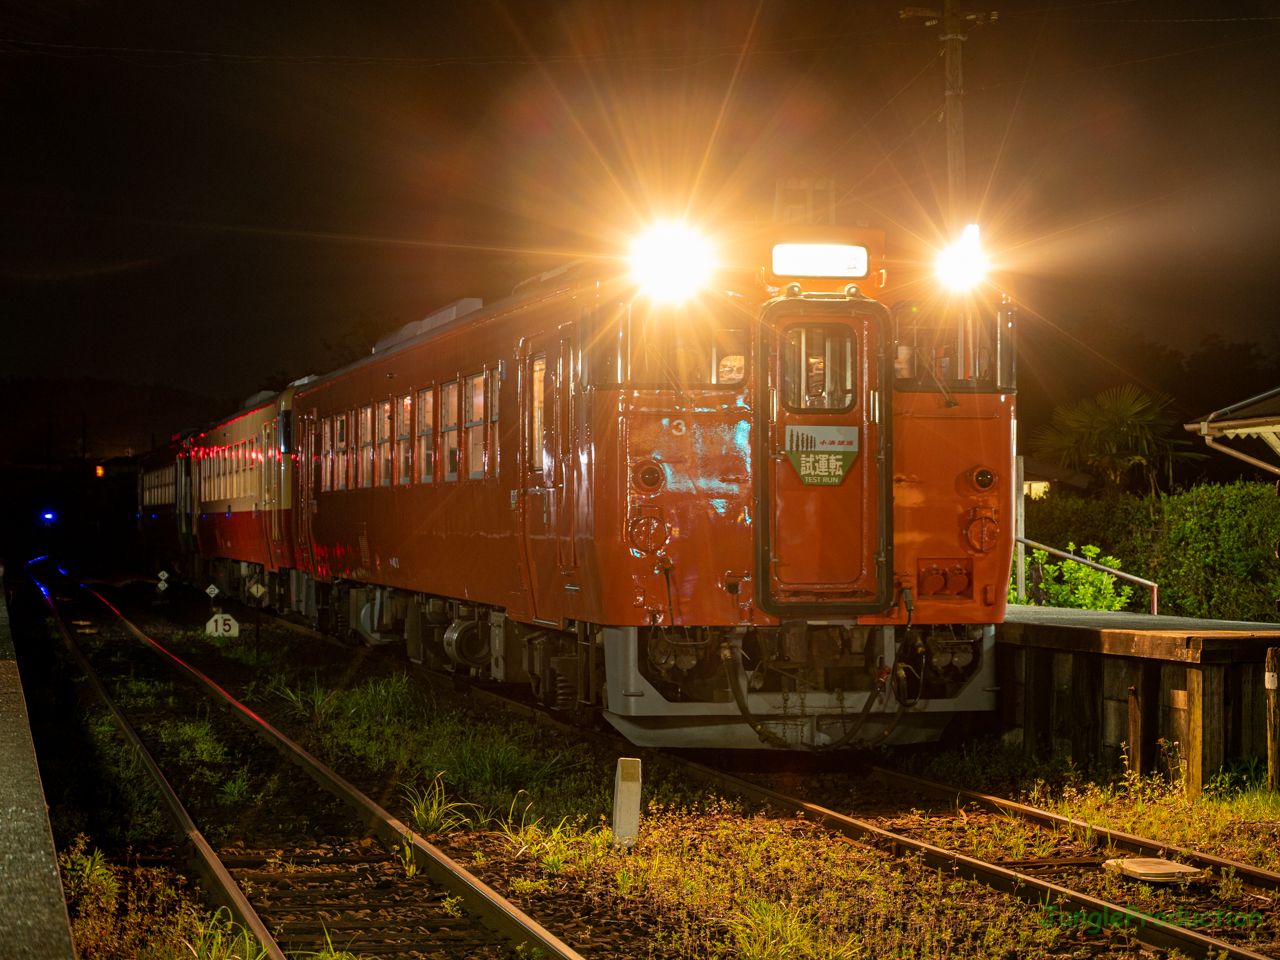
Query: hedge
(1211, 547)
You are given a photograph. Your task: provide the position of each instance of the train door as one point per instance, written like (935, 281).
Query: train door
(567, 402)
(270, 513)
(307, 436)
(547, 482)
(823, 459)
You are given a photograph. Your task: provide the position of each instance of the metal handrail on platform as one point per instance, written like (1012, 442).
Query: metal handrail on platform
(1155, 587)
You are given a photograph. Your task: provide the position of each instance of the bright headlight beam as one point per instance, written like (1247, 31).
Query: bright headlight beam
(963, 265)
(671, 261)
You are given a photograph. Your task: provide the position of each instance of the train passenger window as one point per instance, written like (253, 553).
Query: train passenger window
(473, 413)
(384, 443)
(326, 454)
(404, 439)
(340, 459)
(449, 427)
(538, 428)
(367, 452)
(426, 436)
(817, 367)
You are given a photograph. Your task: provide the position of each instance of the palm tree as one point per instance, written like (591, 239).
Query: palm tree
(1113, 433)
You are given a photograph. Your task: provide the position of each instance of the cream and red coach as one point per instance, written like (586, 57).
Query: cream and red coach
(777, 511)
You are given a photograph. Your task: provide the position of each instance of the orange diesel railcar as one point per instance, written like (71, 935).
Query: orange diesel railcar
(777, 512)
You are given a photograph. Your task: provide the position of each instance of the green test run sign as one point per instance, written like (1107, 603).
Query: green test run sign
(822, 455)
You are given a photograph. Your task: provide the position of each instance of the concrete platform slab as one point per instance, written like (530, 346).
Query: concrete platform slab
(33, 912)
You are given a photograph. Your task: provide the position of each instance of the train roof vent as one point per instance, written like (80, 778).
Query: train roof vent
(303, 381)
(261, 397)
(454, 310)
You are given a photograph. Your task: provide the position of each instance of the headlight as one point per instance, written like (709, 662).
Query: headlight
(671, 262)
(963, 264)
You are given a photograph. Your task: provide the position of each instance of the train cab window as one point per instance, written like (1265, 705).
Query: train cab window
(702, 343)
(404, 439)
(449, 428)
(963, 345)
(538, 412)
(367, 452)
(384, 443)
(341, 431)
(817, 362)
(426, 436)
(326, 454)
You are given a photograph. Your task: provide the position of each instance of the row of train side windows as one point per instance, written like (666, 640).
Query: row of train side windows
(158, 486)
(230, 471)
(393, 442)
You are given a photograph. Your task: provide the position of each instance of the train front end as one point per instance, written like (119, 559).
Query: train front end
(825, 543)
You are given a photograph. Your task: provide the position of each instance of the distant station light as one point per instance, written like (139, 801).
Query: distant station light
(99, 471)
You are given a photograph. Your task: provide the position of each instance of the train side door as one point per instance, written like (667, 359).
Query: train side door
(542, 477)
(307, 436)
(823, 536)
(564, 498)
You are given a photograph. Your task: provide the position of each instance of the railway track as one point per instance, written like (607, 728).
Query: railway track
(1032, 880)
(1048, 881)
(398, 897)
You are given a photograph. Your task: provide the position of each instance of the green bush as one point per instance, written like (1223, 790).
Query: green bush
(1069, 584)
(1211, 547)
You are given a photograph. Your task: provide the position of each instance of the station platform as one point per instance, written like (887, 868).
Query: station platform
(1174, 694)
(33, 912)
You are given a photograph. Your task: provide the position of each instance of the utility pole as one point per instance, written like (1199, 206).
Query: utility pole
(952, 20)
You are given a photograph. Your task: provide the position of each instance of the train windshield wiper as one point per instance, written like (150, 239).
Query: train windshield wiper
(950, 401)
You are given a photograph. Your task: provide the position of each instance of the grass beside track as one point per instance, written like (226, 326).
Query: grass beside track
(526, 807)
(119, 909)
(1235, 817)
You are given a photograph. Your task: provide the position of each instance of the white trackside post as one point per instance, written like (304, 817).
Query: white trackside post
(626, 802)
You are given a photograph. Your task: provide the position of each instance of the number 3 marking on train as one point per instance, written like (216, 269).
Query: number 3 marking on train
(678, 427)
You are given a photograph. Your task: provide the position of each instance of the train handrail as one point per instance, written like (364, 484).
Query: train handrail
(1155, 587)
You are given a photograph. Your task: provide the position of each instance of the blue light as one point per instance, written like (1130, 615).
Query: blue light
(48, 516)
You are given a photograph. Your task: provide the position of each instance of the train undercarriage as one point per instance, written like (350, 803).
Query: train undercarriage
(798, 685)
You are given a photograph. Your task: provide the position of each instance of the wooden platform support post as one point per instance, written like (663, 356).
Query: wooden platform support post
(1037, 701)
(1205, 731)
(1086, 707)
(1144, 717)
(1271, 678)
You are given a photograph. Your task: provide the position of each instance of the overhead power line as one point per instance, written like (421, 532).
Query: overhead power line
(765, 47)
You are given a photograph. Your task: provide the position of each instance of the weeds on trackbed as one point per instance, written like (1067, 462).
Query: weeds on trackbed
(143, 913)
(708, 877)
(1235, 817)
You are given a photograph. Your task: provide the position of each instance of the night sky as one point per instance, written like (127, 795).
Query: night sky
(217, 196)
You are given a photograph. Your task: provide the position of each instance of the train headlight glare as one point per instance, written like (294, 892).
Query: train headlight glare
(671, 261)
(963, 265)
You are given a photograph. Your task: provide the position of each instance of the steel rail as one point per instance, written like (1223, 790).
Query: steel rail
(1254, 876)
(1146, 929)
(1149, 930)
(493, 909)
(218, 882)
